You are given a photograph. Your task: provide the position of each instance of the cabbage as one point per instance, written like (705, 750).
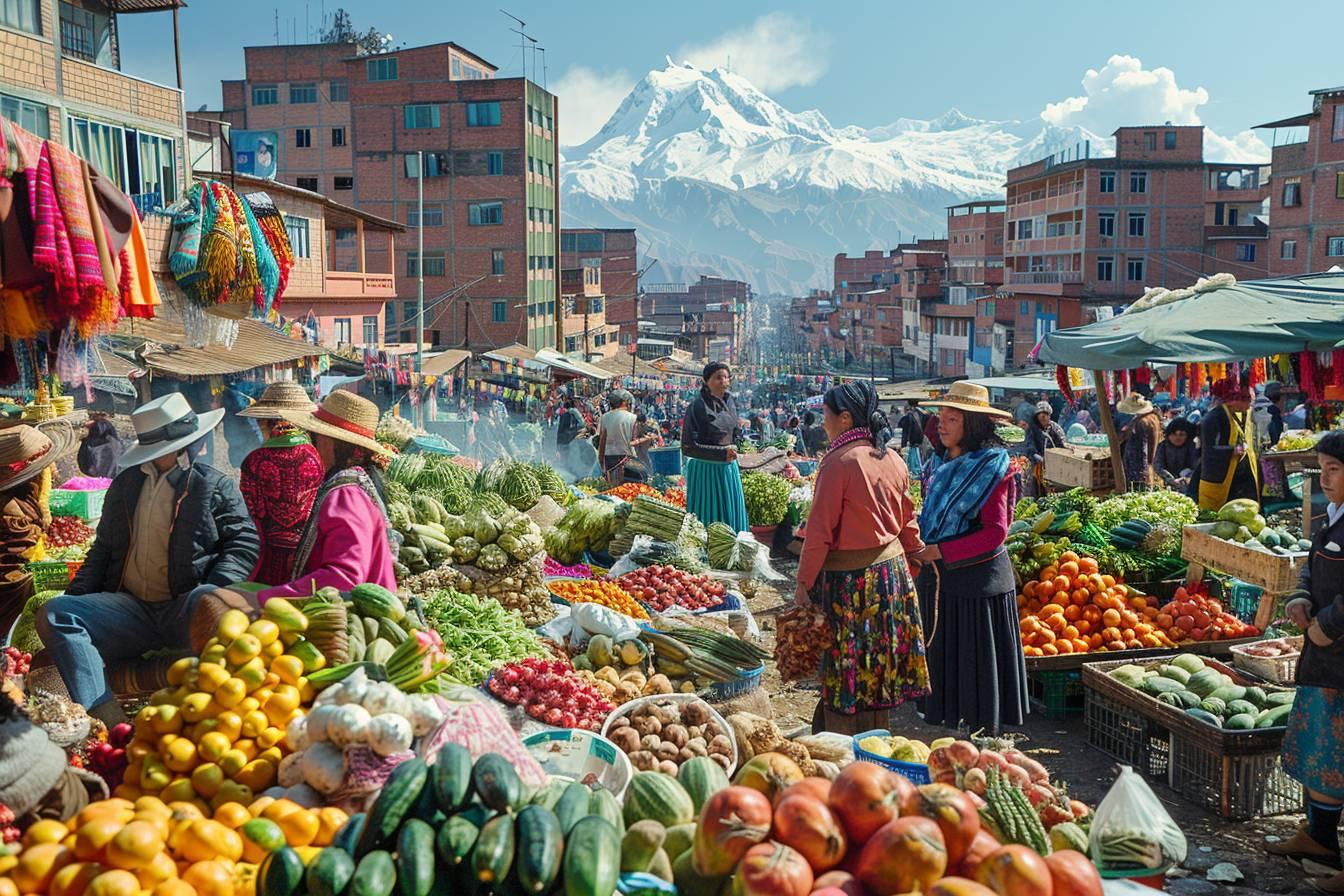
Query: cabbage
(466, 548)
(454, 526)
(492, 557)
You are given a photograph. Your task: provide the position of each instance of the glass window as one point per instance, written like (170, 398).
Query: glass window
(1138, 224)
(485, 213)
(338, 91)
(341, 330)
(436, 164)
(1106, 224)
(343, 183)
(1292, 192)
(1134, 270)
(434, 264)
(338, 136)
(345, 234)
(1245, 252)
(306, 183)
(370, 329)
(152, 163)
(1334, 246)
(433, 216)
(495, 162)
(1169, 139)
(85, 34)
(30, 116)
(499, 312)
(1106, 269)
(1150, 141)
(1138, 181)
(1106, 182)
(101, 145)
(1337, 127)
(497, 262)
(424, 115)
(482, 115)
(381, 69)
(1023, 308)
(390, 317)
(302, 94)
(22, 15)
(265, 96)
(1339, 185)
(297, 228)
(303, 137)
(1288, 249)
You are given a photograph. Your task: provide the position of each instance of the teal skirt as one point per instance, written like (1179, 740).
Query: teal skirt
(714, 493)
(1313, 745)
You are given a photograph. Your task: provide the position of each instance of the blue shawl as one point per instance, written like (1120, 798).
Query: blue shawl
(957, 490)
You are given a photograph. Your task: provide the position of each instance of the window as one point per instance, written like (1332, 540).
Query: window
(303, 137)
(1106, 269)
(306, 183)
(22, 15)
(485, 213)
(343, 183)
(499, 312)
(1150, 141)
(265, 96)
(495, 162)
(338, 91)
(301, 94)
(497, 262)
(1023, 308)
(1334, 246)
(1339, 185)
(143, 165)
(383, 69)
(1337, 129)
(1106, 182)
(423, 115)
(434, 264)
(1245, 252)
(595, 305)
(32, 117)
(370, 329)
(85, 34)
(436, 164)
(433, 216)
(1292, 192)
(389, 317)
(1106, 224)
(482, 115)
(297, 228)
(345, 235)
(1138, 181)
(1138, 224)
(341, 330)
(1288, 249)
(338, 136)
(1169, 140)
(1134, 270)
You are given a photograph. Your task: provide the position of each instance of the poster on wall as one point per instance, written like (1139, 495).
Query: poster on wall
(254, 152)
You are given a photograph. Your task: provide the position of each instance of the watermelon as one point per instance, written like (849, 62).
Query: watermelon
(658, 797)
(701, 777)
(519, 487)
(406, 469)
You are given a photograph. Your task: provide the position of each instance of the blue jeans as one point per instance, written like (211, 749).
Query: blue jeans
(86, 632)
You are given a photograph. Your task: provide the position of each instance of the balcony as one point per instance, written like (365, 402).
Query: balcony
(350, 285)
(1037, 278)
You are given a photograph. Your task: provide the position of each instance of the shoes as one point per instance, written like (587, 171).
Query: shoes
(1301, 846)
(1329, 885)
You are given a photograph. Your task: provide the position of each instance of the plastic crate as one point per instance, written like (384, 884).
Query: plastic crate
(665, 461)
(1118, 731)
(1236, 786)
(52, 575)
(1243, 599)
(85, 505)
(1056, 694)
(916, 772)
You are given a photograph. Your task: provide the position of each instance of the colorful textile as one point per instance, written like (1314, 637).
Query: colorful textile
(876, 656)
(64, 241)
(714, 493)
(957, 489)
(272, 226)
(141, 296)
(1313, 745)
(279, 483)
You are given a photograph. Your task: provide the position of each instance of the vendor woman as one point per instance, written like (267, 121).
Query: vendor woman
(709, 439)
(1313, 746)
(1227, 464)
(26, 457)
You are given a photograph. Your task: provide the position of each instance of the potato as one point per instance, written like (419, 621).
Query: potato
(668, 767)
(666, 750)
(693, 731)
(644, 761)
(684, 755)
(658, 684)
(696, 712)
(676, 734)
(725, 762)
(626, 738)
(698, 746)
(620, 722)
(648, 725)
(651, 742)
(721, 746)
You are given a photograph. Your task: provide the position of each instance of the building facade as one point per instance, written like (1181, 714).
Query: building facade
(709, 316)
(584, 317)
(1306, 223)
(974, 274)
(615, 252)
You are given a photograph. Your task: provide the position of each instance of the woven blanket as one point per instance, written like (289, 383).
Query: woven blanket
(64, 243)
(272, 226)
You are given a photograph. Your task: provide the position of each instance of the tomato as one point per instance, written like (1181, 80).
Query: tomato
(1073, 873)
(1016, 871)
(773, 869)
(904, 856)
(806, 824)
(955, 816)
(867, 796)
(731, 822)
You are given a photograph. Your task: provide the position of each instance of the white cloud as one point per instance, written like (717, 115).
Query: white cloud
(587, 99)
(1123, 92)
(776, 51)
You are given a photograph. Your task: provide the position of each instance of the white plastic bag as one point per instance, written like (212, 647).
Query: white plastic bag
(1132, 835)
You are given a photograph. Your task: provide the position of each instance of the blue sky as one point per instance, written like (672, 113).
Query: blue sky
(1225, 64)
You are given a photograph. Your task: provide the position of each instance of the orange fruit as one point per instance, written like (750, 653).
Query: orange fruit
(1068, 568)
(209, 878)
(1069, 557)
(1111, 617)
(1049, 650)
(1087, 564)
(135, 846)
(117, 882)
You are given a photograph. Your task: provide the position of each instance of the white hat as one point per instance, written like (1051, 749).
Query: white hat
(165, 426)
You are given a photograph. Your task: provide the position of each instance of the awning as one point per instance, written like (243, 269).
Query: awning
(1222, 323)
(571, 365)
(1025, 383)
(629, 365)
(164, 347)
(445, 362)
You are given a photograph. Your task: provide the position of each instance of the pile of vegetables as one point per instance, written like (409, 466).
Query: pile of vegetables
(1164, 510)
(550, 692)
(662, 735)
(628, 491)
(654, 517)
(68, 531)
(587, 525)
(663, 587)
(1192, 615)
(479, 634)
(767, 498)
(1240, 521)
(616, 668)
(517, 587)
(606, 593)
(701, 655)
(553, 569)
(25, 630)
(1205, 692)
(394, 430)
(726, 551)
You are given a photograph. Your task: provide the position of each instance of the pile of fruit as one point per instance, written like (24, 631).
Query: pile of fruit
(551, 692)
(1207, 693)
(1192, 615)
(619, 669)
(14, 663)
(663, 587)
(1296, 440)
(602, 592)
(374, 629)
(628, 491)
(1240, 521)
(68, 531)
(661, 736)
(902, 749)
(107, 758)
(1072, 608)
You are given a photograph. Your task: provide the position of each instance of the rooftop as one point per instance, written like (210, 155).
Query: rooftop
(337, 213)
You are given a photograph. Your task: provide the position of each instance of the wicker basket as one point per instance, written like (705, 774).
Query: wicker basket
(1273, 572)
(1278, 669)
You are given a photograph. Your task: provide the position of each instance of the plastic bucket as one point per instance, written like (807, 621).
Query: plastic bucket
(581, 756)
(665, 461)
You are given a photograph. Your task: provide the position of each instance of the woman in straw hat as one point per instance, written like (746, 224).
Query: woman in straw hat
(26, 457)
(346, 540)
(968, 595)
(279, 480)
(1139, 437)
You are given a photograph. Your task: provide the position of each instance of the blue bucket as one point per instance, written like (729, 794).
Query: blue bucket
(666, 461)
(805, 467)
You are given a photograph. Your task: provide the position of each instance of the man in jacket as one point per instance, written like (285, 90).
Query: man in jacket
(171, 531)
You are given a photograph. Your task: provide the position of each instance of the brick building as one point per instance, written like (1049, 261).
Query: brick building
(61, 79)
(355, 125)
(974, 273)
(1306, 231)
(710, 316)
(584, 315)
(615, 251)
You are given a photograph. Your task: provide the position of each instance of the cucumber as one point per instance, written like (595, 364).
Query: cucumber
(496, 783)
(492, 856)
(592, 861)
(603, 803)
(540, 844)
(280, 873)
(451, 777)
(330, 872)
(348, 834)
(457, 836)
(573, 805)
(375, 875)
(415, 858)
(394, 803)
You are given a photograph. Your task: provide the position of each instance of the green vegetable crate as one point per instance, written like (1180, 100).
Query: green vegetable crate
(1119, 730)
(1055, 694)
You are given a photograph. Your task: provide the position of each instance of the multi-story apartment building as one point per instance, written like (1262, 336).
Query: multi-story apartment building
(584, 315)
(360, 126)
(1306, 230)
(867, 322)
(1236, 215)
(974, 272)
(710, 314)
(62, 80)
(615, 251)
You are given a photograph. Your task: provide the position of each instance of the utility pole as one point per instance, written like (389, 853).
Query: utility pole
(420, 271)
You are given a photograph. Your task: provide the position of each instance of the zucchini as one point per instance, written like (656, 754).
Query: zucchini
(603, 803)
(457, 836)
(496, 783)
(540, 844)
(572, 806)
(415, 858)
(280, 873)
(330, 872)
(592, 861)
(375, 875)
(451, 777)
(392, 806)
(492, 856)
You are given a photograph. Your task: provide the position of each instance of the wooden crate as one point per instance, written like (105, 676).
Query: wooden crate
(1273, 572)
(1088, 468)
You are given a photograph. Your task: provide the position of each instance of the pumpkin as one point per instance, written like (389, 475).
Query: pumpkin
(866, 796)
(837, 880)
(773, 869)
(955, 815)
(731, 822)
(808, 825)
(1073, 873)
(1016, 870)
(818, 788)
(980, 848)
(903, 856)
(769, 773)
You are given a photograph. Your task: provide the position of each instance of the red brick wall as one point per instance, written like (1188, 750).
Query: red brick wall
(1316, 165)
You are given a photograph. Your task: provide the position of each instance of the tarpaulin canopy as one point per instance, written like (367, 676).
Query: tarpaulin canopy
(1022, 383)
(1224, 323)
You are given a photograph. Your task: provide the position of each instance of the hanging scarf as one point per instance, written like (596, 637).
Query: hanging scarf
(957, 490)
(352, 476)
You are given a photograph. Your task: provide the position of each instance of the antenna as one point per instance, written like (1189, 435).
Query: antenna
(543, 68)
(521, 35)
(277, 26)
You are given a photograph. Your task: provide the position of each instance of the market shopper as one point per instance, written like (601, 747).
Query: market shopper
(709, 437)
(279, 480)
(968, 595)
(1227, 459)
(173, 530)
(860, 530)
(1139, 437)
(1313, 745)
(814, 435)
(615, 433)
(100, 448)
(1043, 433)
(26, 457)
(1177, 457)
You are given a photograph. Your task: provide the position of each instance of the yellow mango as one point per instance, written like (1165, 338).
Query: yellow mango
(255, 722)
(231, 625)
(270, 737)
(252, 673)
(232, 762)
(207, 839)
(168, 720)
(162, 868)
(45, 831)
(181, 756)
(231, 693)
(212, 746)
(307, 693)
(230, 723)
(285, 615)
(206, 779)
(209, 878)
(259, 805)
(329, 821)
(209, 676)
(38, 866)
(233, 792)
(134, 846)
(243, 648)
(247, 746)
(214, 654)
(273, 650)
(278, 809)
(179, 789)
(232, 815)
(257, 774)
(162, 696)
(197, 706)
(73, 879)
(288, 669)
(177, 672)
(264, 630)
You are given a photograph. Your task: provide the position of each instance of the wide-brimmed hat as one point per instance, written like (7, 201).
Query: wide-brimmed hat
(343, 416)
(967, 397)
(279, 397)
(25, 451)
(1135, 405)
(165, 426)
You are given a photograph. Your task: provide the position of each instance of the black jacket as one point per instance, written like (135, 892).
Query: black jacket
(1169, 461)
(1039, 439)
(571, 424)
(710, 427)
(911, 428)
(1323, 578)
(213, 541)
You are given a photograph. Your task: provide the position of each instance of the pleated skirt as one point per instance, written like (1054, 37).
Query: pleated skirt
(714, 492)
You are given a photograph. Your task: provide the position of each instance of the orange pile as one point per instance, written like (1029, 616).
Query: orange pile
(595, 591)
(1071, 608)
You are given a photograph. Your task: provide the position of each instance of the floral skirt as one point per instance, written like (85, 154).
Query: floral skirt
(876, 656)
(1313, 745)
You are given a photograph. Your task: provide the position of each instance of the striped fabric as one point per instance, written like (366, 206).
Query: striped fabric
(714, 493)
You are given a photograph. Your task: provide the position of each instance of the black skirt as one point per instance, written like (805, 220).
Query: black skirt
(977, 672)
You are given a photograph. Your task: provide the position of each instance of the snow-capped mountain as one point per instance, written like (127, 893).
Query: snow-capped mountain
(720, 179)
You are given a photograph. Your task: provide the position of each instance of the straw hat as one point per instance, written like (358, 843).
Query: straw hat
(26, 451)
(966, 396)
(343, 416)
(1135, 405)
(279, 397)
(165, 426)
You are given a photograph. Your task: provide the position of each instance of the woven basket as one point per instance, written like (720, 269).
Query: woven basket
(1278, 669)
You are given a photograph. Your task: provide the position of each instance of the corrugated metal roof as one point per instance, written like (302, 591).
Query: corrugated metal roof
(445, 361)
(164, 347)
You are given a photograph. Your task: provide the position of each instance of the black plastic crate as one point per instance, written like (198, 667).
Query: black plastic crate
(1056, 694)
(1249, 785)
(1118, 731)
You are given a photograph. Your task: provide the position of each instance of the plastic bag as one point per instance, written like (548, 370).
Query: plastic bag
(1132, 835)
(479, 725)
